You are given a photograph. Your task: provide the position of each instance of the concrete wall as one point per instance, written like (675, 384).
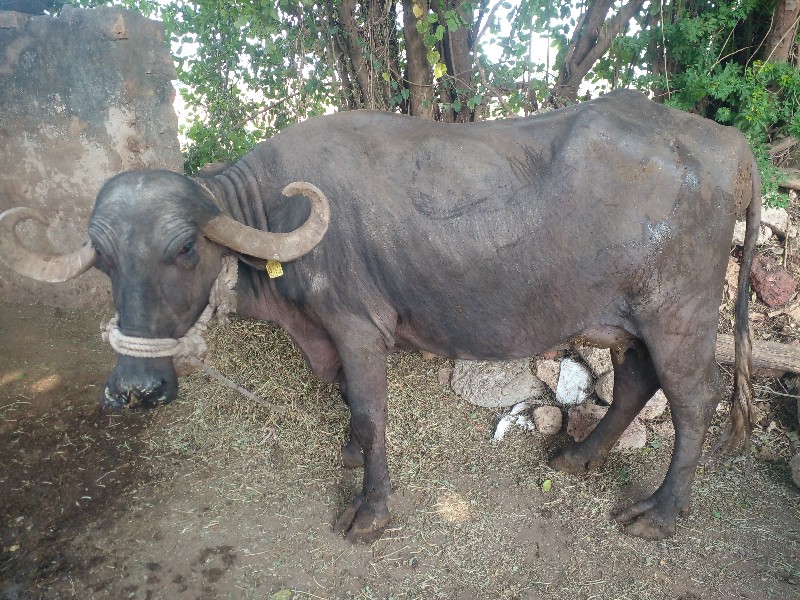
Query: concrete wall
(83, 96)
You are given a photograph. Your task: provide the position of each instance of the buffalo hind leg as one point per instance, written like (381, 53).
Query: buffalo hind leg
(635, 382)
(690, 378)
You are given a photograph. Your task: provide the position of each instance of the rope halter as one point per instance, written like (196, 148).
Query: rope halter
(190, 349)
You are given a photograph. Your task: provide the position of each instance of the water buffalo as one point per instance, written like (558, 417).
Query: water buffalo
(608, 222)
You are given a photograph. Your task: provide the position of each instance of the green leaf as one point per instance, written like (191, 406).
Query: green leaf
(547, 485)
(439, 69)
(281, 595)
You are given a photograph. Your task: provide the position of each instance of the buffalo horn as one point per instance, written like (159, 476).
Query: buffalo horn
(282, 247)
(41, 267)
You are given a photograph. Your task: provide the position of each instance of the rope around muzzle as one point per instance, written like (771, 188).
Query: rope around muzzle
(189, 351)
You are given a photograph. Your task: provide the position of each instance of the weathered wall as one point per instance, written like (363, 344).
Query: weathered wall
(83, 96)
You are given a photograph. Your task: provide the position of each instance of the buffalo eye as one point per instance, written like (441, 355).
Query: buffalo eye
(186, 248)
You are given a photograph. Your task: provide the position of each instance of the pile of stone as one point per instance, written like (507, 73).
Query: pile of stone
(540, 392)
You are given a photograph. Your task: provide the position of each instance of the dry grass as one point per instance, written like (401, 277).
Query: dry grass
(469, 516)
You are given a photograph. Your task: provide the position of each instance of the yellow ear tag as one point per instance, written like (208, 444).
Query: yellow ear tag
(274, 269)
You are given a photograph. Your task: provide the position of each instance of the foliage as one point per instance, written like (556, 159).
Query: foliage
(247, 69)
(714, 70)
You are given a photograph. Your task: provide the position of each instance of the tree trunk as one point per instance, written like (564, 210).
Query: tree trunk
(592, 37)
(419, 74)
(456, 52)
(781, 39)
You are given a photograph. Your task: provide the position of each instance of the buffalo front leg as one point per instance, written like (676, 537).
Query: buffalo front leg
(635, 382)
(352, 454)
(364, 363)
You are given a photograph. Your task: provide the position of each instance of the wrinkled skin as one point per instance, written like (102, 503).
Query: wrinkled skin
(608, 222)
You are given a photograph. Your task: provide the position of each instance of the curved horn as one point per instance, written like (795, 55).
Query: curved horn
(41, 267)
(283, 247)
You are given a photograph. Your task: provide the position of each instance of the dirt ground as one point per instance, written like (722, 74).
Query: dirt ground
(214, 497)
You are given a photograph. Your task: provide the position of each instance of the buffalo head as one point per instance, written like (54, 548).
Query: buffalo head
(161, 238)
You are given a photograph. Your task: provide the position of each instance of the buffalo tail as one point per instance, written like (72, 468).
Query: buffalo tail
(740, 426)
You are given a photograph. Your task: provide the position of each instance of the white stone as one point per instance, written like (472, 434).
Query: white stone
(503, 425)
(777, 219)
(515, 417)
(575, 382)
(598, 359)
(495, 384)
(548, 419)
(764, 233)
(548, 370)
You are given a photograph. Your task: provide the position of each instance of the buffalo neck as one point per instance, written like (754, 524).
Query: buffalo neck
(246, 192)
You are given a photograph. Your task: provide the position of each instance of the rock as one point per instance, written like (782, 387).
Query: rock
(772, 283)
(604, 387)
(655, 407)
(793, 310)
(633, 438)
(495, 384)
(777, 219)
(548, 419)
(547, 370)
(795, 465)
(582, 419)
(444, 375)
(764, 233)
(598, 359)
(575, 382)
(515, 417)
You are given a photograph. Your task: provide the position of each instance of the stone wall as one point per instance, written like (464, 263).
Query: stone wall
(83, 96)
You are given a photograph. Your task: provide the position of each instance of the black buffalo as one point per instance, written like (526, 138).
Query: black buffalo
(608, 222)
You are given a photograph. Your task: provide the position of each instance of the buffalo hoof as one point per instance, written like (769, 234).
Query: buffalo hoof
(352, 457)
(361, 524)
(575, 463)
(650, 520)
